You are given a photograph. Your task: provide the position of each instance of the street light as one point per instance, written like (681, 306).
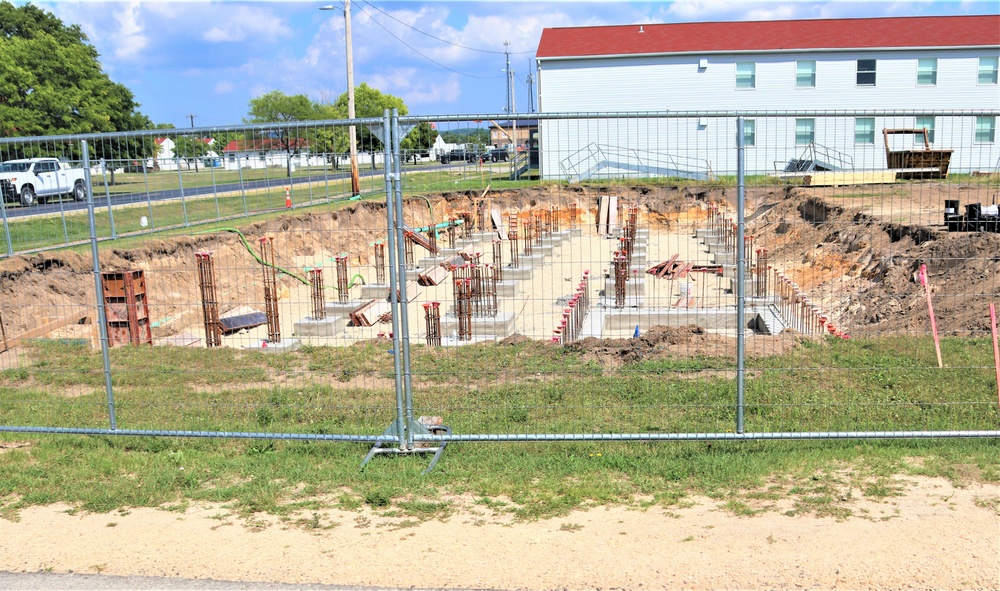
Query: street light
(352, 133)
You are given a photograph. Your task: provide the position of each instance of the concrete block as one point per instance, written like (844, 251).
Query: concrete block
(374, 291)
(285, 346)
(522, 273)
(325, 327)
(499, 327)
(341, 309)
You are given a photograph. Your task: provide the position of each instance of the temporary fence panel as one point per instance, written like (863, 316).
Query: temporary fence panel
(563, 276)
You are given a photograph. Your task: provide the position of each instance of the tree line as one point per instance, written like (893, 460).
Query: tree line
(52, 83)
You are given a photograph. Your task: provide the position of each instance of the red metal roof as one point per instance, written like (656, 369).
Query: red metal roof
(848, 33)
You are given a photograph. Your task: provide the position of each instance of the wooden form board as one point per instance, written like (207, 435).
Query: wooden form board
(498, 224)
(607, 214)
(369, 313)
(77, 317)
(835, 178)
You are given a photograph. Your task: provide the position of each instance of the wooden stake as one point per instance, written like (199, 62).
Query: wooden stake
(996, 350)
(930, 310)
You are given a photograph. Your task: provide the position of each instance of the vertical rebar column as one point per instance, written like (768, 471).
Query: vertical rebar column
(466, 224)
(515, 260)
(408, 250)
(526, 226)
(432, 238)
(451, 234)
(432, 315)
(621, 278)
(539, 230)
(481, 216)
(463, 310)
(209, 298)
(270, 289)
(498, 259)
(380, 263)
(318, 296)
(493, 303)
(342, 289)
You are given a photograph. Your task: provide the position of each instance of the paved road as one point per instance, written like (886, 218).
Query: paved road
(77, 582)
(101, 199)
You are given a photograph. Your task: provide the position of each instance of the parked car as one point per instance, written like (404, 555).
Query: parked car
(495, 155)
(35, 179)
(454, 156)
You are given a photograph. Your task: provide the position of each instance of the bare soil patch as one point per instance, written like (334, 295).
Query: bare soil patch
(932, 535)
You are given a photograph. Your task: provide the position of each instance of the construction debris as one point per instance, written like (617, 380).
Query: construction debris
(371, 312)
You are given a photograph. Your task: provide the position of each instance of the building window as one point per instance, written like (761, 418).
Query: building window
(927, 71)
(928, 124)
(805, 131)
(988, 70)
(746, 75)
(866, 72)
(805, 74)
(864, 130)
(986, 129)
(749, 133)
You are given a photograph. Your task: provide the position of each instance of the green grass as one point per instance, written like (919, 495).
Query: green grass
(884, 384)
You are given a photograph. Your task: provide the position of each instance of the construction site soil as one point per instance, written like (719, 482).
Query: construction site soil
(855, 250)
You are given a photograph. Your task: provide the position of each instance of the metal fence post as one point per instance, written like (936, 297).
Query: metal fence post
(6, 228)
(740, 273)
(98, 288)
(149, 200)
(180, 184)
(243, 189)
(394, 280)
(215, 191)
(400, 244)
(107, 194)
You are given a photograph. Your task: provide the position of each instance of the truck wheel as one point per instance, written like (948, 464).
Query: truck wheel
(79, 191)
(27, 196)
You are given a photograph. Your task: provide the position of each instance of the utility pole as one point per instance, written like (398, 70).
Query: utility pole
(530, 80)
(193, 139)
(510, 76)
(352, 130)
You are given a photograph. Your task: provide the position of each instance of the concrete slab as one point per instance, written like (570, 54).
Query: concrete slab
(499, 327)
(285, 346)
(374, 291)
(325, 327)
(522, 273)
(341, 309)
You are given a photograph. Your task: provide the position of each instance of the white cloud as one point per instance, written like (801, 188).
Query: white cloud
(130, 39)
(224, 87)
(240, 23)
(417, 89)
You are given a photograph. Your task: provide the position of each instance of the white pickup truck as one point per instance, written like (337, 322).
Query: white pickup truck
(37, 179)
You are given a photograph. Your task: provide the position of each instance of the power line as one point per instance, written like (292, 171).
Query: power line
(435, 37)
(428, 58)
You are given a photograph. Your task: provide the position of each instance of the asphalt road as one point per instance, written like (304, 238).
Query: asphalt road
(78, 582)
(101, 199)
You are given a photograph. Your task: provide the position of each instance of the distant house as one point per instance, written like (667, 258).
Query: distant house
(917, 64)
(264, 153)
(503, 133)
(167, 160)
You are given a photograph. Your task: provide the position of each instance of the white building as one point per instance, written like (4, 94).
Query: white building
(919, 67)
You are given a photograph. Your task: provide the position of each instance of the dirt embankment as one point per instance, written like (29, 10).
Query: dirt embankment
(858, 264)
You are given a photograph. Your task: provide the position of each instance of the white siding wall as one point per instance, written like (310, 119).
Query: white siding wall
(677, 83)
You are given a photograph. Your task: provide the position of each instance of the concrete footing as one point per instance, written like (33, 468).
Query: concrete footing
(285, 346)
(498, 327)
(325, 327)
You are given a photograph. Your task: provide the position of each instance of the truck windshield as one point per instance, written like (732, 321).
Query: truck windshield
(15, 166)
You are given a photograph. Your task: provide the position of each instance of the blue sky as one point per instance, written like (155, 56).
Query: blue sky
(210, 58)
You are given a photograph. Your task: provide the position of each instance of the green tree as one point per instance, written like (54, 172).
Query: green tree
(368, 103)
(419, 140)
(278, 107)
(51, 83)
(190, 148)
